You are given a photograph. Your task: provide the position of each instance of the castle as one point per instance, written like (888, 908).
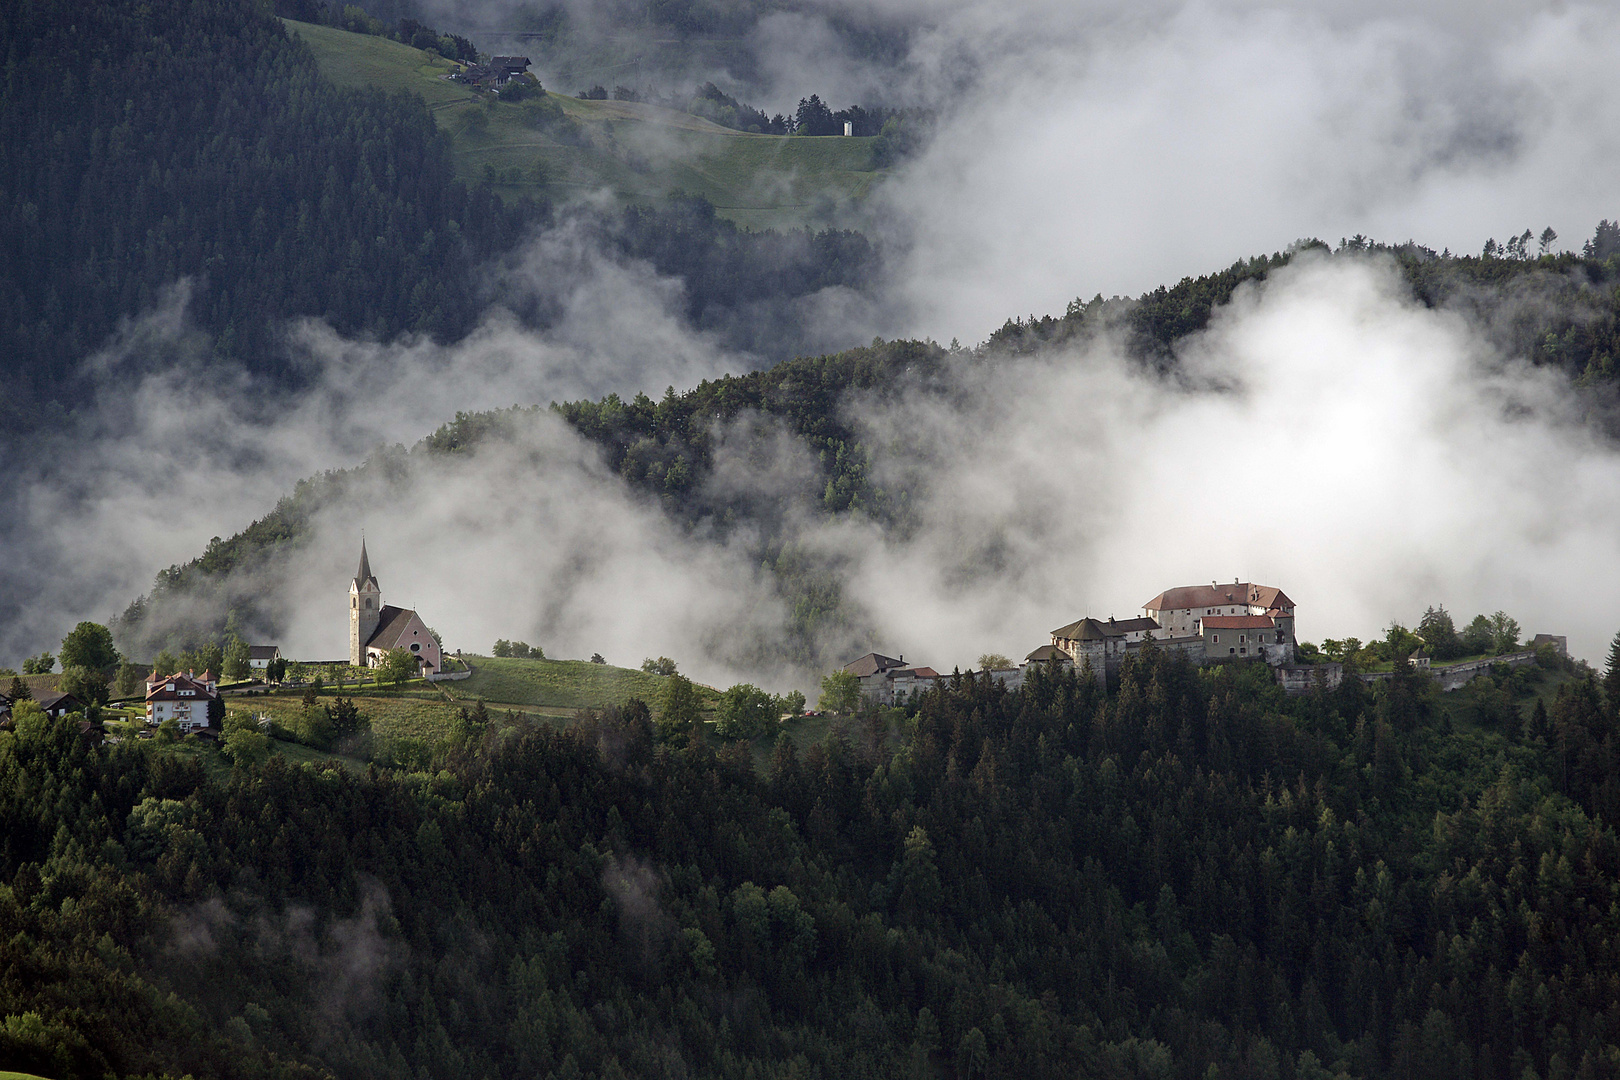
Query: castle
(376, 628)
(1205, 623)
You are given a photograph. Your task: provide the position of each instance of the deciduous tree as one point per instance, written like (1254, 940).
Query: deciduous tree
(840, 692)
(89, 645)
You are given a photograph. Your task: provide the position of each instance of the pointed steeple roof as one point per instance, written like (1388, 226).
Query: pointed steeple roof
(364, 575)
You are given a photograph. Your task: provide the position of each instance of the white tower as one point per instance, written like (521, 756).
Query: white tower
(365, 608)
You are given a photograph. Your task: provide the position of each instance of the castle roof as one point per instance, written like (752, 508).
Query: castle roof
(1237, 622)
(1213, 595)
(1088, 630)
(1047, 652)
(872, 664)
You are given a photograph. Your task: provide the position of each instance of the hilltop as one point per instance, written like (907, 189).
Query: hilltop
(561, 147)
(666, 449)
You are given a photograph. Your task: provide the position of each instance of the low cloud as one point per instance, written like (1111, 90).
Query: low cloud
(1106, 148)
(1327, 435)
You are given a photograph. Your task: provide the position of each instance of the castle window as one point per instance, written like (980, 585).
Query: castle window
(1214, 639)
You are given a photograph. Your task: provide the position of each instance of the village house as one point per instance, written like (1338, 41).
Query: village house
(261, 656)
(183, 698)
(58, 705)
(499, 71)
(376, 628)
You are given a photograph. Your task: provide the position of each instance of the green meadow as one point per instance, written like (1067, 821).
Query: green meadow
(637, 153)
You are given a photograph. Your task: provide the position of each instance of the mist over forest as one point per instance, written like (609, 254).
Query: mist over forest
(642, 379)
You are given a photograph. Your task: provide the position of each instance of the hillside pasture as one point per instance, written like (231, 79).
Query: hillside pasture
(638, 153)
(554, 687)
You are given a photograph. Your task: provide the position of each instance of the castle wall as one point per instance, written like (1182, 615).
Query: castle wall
(1300, 678)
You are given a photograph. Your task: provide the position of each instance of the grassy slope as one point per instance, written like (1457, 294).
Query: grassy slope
(554, 689)
(407, 713)
(557, 685)
(639, 152)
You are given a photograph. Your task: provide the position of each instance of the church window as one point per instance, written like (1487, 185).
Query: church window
(368, 603)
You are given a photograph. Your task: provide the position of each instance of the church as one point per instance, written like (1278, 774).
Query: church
(376, 628)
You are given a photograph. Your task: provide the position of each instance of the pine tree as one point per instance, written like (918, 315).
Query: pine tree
(1611, 677)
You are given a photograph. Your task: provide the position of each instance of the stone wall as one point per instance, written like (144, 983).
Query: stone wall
(1456, 676)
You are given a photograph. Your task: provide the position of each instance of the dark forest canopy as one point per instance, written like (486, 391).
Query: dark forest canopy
(170, 141)
(1188, 876)
(146, 143)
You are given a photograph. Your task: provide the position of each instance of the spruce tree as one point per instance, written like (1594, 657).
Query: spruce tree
(1611, 677)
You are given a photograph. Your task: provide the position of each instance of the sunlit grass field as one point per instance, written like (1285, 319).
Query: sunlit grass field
(558, 684)
(398, 714)
(639, 153)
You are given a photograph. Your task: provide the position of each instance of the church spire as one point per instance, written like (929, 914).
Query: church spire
(364, 573)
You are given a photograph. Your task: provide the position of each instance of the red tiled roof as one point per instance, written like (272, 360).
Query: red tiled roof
(158, 689)
(1237, 622)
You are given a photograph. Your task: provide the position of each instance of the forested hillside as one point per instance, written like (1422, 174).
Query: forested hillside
(1561, 311)
(155, 143)
(147, 143)
(1193, 876)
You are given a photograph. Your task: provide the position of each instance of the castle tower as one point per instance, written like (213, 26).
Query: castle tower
(365, 608)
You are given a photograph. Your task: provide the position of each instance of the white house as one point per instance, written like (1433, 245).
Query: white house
(260, 656)
(183, 698)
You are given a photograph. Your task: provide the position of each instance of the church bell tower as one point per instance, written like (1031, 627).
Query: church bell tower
(365, 608)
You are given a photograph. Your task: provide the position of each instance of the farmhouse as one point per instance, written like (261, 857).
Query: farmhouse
(376, 628)
(499, 71)
(261, 656)
(182, 698)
